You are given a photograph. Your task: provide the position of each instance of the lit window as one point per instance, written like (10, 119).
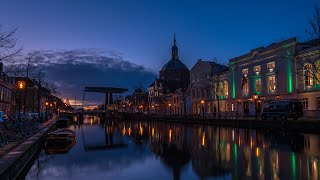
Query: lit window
(257, 70)
(308, 79)
(258, 86)
(271, 66)
(220, 91)
(225, 89)
(271, 83)
(209, 107)
(245, 72)
(245, 84)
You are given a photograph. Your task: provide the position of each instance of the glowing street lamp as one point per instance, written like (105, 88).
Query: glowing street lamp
(202, 105)
(255, 97)
(21, 86)
(47, 104)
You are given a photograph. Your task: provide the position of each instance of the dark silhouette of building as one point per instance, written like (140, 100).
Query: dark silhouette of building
(174, 73)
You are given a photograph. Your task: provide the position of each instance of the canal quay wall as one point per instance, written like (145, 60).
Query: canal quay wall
(13, 163)
(302, 125)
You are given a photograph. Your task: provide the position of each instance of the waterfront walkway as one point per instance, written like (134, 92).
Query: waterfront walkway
(6, 148)
(16, 156)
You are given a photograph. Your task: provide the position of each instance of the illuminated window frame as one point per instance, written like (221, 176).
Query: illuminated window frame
(271, 66)
(257, 69)
(272, 85)
(308, 75)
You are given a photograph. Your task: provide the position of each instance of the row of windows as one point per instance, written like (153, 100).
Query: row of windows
(257, 69)
(199, 108)
(221, 90)
(311, 74)
(5, 94)
(177, 110)
(271, 83)
(176, 100)
(305, 103)
(202, 76)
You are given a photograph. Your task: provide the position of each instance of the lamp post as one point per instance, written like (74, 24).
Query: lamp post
(169, 108)
(255, 97)
(46, 116)
(202, 107)
(21, 87)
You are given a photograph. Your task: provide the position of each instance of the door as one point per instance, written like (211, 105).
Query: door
(259, 107)
(246, 108)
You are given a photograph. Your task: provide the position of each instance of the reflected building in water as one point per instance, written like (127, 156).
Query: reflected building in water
(222, 152)
(236, 153)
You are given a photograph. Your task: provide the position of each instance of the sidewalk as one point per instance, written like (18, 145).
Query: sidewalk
(4, 150)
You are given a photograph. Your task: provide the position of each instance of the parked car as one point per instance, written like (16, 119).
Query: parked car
(283, 109)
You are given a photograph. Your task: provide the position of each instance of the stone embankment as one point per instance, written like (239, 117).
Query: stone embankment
(12, 163)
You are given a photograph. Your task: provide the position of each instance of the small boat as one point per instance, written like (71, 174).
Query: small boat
(61, 134)
(59, 141)
(58, 147)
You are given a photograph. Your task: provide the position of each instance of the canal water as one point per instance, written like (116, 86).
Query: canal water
(159, 150)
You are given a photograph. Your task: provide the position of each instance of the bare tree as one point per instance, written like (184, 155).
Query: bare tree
(313, 30)
(314, 24)
(8, 43)
(39, 78)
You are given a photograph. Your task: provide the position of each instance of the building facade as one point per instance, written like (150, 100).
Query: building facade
(209, 88)
(281, 70)
(8, 90)
(140, 101)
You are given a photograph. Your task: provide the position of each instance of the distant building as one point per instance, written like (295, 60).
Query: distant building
(176, 103)
(209, 87)
(174, 78)
(174, 73)
(156, 98)
(8, 89)
(29, 96)
(140, 101)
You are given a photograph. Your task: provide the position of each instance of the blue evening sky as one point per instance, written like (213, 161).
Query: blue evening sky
(142, 30)
(125, 43)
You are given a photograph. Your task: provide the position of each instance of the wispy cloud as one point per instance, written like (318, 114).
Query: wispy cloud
(72, 70)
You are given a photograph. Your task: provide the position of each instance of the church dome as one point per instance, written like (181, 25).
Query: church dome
(174, 65)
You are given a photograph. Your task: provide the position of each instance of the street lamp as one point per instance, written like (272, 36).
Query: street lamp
(202, 105)
(47, 104)
(21, 87)
(255, 97)
(169, 108)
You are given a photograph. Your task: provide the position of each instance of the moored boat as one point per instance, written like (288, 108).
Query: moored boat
(59, 141)
(61, 134)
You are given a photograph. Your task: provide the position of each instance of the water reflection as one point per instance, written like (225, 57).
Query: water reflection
(167, 150)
